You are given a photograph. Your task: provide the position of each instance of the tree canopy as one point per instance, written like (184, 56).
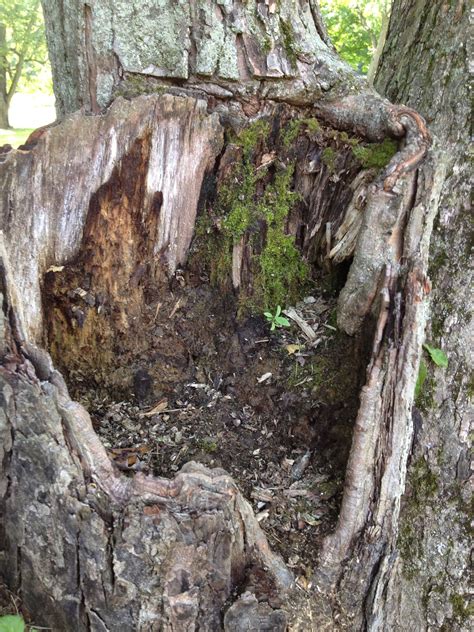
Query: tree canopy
(23, 52)
(354, 27)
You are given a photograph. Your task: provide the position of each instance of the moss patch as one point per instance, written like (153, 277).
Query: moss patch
(283, 273)
(134, 85)
(252, 202)
(462, 609)
(294, 128)
(288, 41)
(423, 484)
(375, 155)
(329, 158)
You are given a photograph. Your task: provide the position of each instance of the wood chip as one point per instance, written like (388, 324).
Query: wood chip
(264, 378)
(308, 331)
(156, 410)
(262, 515)
(263, 495)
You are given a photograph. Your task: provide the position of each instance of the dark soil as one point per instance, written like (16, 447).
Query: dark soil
(201, 390)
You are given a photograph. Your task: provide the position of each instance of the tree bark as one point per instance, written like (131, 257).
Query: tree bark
(4, 122)
(147, 553)
(428, 588)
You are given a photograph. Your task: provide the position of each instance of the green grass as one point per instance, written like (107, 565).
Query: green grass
(14, 137)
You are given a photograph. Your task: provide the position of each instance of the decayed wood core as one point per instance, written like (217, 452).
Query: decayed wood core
(103, 309)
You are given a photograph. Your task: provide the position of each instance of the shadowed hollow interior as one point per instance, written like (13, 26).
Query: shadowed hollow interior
(186, 367)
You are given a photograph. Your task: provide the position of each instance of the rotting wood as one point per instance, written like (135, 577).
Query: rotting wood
(374, 118)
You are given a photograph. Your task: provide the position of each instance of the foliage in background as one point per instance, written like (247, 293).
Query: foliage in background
(12, 623)
(354, 28)
(23, 53)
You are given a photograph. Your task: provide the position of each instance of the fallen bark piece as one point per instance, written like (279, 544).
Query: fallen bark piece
(300, 465)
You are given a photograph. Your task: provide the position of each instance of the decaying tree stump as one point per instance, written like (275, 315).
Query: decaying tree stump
(114, 192)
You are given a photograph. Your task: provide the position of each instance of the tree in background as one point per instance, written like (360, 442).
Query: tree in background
(354, 27)
(23, 52)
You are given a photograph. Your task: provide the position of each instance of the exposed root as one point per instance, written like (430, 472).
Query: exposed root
(417, 143)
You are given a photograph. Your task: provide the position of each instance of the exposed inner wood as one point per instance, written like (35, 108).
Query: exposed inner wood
(102, 294)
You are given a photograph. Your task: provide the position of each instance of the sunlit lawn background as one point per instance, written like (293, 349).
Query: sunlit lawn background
(27, 112)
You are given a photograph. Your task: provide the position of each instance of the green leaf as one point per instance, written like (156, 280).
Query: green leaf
(268, 315)
(282, 322)
(272, 328)
(422, 374)
(12, 623)
(437, 355)
(278, 312)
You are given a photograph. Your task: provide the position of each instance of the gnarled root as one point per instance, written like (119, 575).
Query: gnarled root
(380, 239)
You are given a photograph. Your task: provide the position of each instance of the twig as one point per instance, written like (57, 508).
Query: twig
(302, 324)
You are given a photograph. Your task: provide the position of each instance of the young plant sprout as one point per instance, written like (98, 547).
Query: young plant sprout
(276, 320)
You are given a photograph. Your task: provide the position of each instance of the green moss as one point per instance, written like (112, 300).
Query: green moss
(245, 202)
(424, 486)
(462, 609)
(312, 124)
(425, 388)
(348, 140)
(266, 44)
(437, 262)
(375, 155)
(288, 37)
(283, 273)
(208, 445)
(423, 481)
(470, 386)
(332, 320)
(135, 85)
(250, 136)
(294, 127)
(329, 158)
(410, 548)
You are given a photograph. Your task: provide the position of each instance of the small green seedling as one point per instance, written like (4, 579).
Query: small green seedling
(12, 623)
(422, 375)
(438, 356)
(276, 320)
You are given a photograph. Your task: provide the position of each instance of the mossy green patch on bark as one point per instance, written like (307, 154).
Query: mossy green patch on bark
(423, 482)
(251, 135)
(283, 273)
(288, 41)
(375, 155)
(293, 129)
(423, 485)
(134, 85)
(462, 609)
(425, 387)
(253, 202)
(329, 158)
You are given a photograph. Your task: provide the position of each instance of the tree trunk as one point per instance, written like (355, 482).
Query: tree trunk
(429, 588)
(235, 139)
(4, 123)
(374, 64)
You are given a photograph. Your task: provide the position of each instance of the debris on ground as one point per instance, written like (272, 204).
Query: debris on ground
(267, 406)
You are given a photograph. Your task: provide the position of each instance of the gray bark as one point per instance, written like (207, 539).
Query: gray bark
(429, 588)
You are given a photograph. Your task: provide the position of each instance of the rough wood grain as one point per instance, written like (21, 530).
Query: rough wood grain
(43, 224)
